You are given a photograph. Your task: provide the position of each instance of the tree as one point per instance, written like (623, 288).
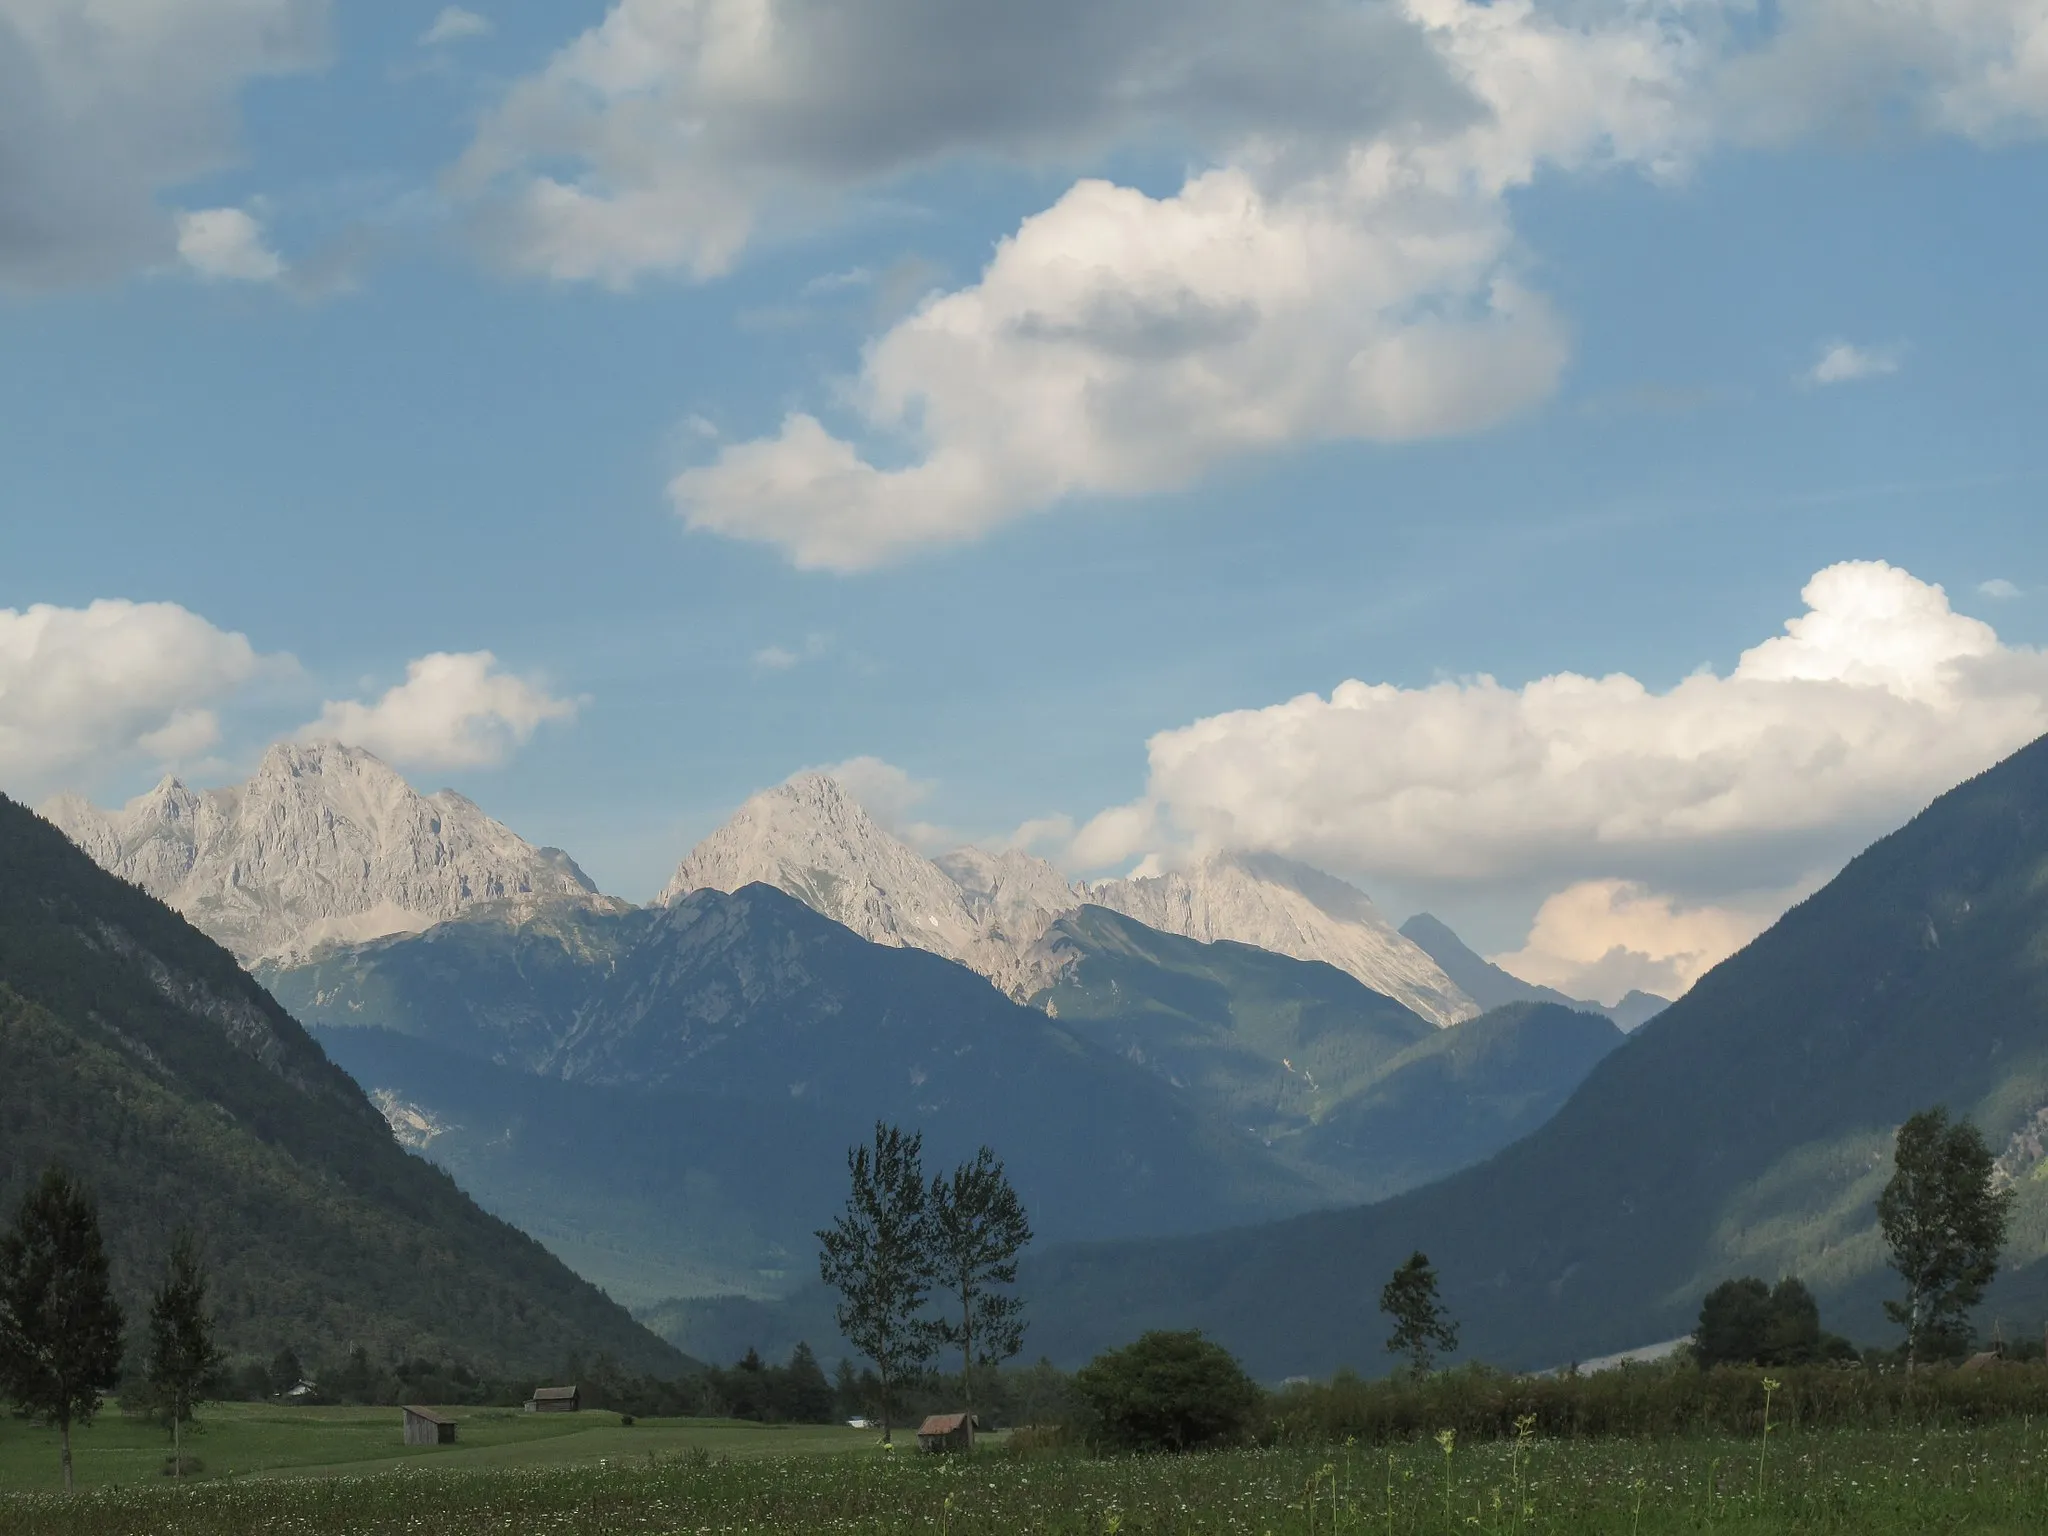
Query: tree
(1745, 1322)
(877, 1256)
(1421, 1327)
(1167, 1392)
(1944, 1222)
(182, 1357)
(802, 1395)
(60, 1328)
(978, 1228)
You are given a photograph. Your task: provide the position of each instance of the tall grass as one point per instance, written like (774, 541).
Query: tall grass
(1650, 1401)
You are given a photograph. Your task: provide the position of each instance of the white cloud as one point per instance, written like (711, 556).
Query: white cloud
(1841, 363)
(103, 106)
(454, 710)
(83, 690)
(1601, 939)
(453, 25)
(1998, 587)
(227, 243)
(1120, 343)
(781, 658)
(1340, 264)
(1874, 700)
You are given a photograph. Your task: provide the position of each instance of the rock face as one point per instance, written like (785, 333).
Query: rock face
(325, 843)
(1293, 910)
(988, 911)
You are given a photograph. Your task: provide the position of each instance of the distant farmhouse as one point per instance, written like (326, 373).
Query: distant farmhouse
(555, 1400)
(423, 1426)
(947, 1432)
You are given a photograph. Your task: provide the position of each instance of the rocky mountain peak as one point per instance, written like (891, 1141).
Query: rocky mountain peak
(987, 910)
(324, 842)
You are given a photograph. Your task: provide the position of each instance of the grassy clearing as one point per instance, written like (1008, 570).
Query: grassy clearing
(1981, 1481)
(238, 1440)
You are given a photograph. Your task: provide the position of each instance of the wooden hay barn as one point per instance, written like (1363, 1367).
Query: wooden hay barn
(555, 1400)
(423, 1426)
(947, 1432)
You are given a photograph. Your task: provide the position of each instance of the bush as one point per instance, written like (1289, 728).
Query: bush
(1167, 1392)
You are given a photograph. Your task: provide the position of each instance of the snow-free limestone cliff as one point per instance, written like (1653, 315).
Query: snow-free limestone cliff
(324, 843)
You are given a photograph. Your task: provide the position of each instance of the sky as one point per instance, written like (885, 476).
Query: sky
(1573, 466)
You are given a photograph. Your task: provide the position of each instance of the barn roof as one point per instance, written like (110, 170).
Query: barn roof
(552, 1394)
(428, 1414)
(945, 1424)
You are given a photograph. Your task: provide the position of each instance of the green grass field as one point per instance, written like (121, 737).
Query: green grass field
(1870, 1483)
(238, 1440)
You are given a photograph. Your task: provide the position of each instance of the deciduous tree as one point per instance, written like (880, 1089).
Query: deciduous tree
(877, 1256)
(978, 1228)
(1944, 1220)
(1421, 1327)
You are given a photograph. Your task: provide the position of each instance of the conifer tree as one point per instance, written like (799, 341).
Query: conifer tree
(60, 1327)
(182, 1356)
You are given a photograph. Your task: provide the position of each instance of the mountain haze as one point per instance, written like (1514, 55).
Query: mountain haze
(324, 843)
(1491, 987)
(1746, 1129)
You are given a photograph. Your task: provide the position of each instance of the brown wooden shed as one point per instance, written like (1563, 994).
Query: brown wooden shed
(948, 1432)
(423, 1426)
(555, 1400)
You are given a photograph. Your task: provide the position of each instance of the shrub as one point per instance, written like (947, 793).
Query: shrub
(1167, 1392)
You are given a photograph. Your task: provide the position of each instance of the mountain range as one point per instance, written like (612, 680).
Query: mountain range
(716, 1056)
(137, 1052)
(1746, 1129)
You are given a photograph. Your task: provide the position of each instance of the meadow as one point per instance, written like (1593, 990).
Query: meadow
(1988, 1480)
(237, 1441)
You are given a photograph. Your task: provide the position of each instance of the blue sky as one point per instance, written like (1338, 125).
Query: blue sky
(396, 430)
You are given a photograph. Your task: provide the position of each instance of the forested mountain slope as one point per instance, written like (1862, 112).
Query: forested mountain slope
(136, 1051)
(1746, 1129)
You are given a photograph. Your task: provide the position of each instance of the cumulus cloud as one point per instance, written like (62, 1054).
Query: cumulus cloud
(103, 107)
(1120, 343)
(1875, 699)
(227, 243)
(85, 689)
(1998, 587)
(1340, 264)
(454, 25)
(1602, 939)
(1841, 363)
(454, 710)
(656, 140)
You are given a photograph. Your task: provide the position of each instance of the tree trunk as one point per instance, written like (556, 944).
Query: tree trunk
(177, 1445)
(1913, 1333)
(967, 1359)
(885, 1399)
(64, 1437)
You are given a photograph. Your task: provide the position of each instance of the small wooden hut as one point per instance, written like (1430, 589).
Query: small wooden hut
(423, 1426)
(948, 1432)
(555, 1400)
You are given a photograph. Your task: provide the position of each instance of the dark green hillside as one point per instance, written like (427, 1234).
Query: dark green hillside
(135, 1050)
(1744, 1130)
(1461, 1094)
(1271, 1042)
